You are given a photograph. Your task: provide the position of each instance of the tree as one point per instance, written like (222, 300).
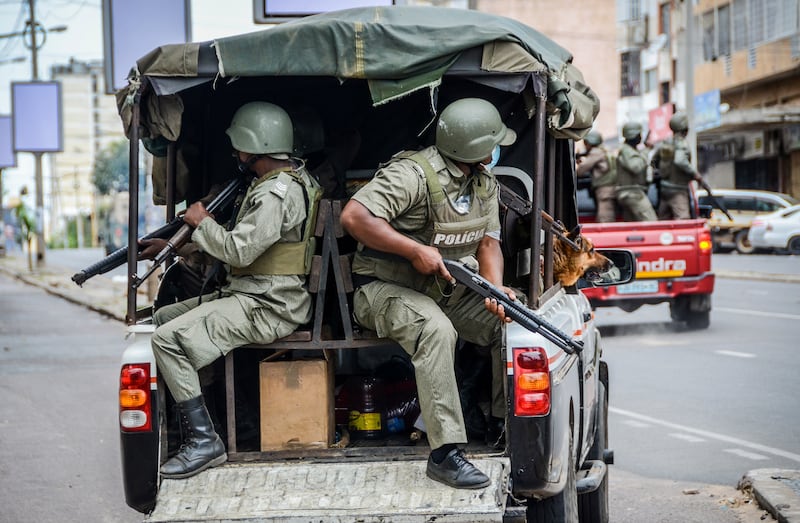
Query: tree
(111, 168)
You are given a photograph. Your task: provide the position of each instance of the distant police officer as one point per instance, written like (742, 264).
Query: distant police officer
(421, 207)
(673, 161)
(265, 298)
(601, 166)
(632, 164)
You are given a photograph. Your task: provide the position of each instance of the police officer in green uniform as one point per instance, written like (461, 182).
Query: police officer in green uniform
(601, 166)
(421, 207)
(673, 160)
(265, 297)
(632, 164)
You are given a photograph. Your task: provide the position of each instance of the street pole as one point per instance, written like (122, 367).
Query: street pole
(40, 245)
(691, 138)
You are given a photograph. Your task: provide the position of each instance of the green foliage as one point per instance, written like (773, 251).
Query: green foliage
(27, 222)
(111, 168)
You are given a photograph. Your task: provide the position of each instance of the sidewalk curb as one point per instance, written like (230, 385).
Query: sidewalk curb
(776, 490)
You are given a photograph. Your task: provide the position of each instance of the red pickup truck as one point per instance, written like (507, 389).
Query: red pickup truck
(673, 263)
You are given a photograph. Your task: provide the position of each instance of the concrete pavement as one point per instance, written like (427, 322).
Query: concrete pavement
(776, 490)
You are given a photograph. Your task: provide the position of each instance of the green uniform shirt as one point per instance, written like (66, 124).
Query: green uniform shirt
(631, 167)
(273, 211)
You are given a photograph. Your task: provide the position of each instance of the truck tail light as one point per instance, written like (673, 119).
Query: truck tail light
(704, 241)
(135, 412)
(531, 382)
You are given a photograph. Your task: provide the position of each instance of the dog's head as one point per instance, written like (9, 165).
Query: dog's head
(572, 264)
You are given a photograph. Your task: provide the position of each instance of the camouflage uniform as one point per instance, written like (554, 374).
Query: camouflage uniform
(418, 195)
(602, 167)
(673, 159)
(631, 190)
(265, 298)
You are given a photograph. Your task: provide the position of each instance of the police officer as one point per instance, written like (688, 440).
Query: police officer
(601, 166)
(673, 161)
(421, 207)
(632, 164)
(265, 298)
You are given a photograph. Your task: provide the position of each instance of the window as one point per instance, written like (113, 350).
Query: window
(756, 13)
(724, 31)
(664, 20)
(629, 10)
(650, 80)
(630, 72)
(663, 96)
(739, 25)
(709, 46)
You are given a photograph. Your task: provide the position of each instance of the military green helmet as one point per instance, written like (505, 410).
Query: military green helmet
(262, 128)
(469, 129)
(631, 130)
(679, 122)
(593, 138)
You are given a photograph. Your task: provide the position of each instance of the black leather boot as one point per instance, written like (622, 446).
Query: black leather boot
(202, 447)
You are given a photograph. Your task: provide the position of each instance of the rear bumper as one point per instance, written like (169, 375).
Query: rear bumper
(668, 290)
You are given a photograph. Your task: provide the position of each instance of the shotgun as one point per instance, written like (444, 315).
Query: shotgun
(513, 309)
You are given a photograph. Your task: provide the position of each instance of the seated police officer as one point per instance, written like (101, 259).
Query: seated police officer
(268, 252)
(421, 207)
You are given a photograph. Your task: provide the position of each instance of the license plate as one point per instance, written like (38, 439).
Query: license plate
(638, 287)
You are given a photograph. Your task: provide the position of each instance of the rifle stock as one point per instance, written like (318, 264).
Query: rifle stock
(513, 309)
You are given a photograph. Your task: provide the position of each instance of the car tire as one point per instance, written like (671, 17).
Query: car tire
(563, 507)
(743, 245)
(593, 506)
(793, 245)
(698, 320)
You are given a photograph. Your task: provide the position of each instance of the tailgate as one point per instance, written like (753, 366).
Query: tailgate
(397, 491)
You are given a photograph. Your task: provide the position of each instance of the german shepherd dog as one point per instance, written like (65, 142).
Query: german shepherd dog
(574, 257)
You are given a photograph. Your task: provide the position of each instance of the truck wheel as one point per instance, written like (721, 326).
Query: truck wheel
(593, 507)
(698, 320)
(742, 243)
(562, 507)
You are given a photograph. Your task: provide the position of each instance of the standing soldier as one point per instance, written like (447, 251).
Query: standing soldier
(601, 166)
(673, 160)
(631, 188)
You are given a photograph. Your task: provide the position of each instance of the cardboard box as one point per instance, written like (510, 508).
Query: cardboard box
(296, 404)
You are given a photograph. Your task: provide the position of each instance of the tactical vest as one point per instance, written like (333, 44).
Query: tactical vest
(626, 177)
(288, 258)
(456, 235)
(608, 178)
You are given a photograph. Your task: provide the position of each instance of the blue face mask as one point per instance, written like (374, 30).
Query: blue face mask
(495, 157)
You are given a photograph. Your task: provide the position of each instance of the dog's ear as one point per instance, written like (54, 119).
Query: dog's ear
(575, 235)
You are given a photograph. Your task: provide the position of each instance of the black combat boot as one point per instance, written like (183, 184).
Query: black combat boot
(202, 447)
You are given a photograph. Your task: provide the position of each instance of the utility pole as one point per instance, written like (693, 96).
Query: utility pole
(688, 80)
(33, 26)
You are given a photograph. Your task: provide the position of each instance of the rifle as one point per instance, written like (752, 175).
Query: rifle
(722, 207)
(227, 196)
(169, 230)
(513, 309)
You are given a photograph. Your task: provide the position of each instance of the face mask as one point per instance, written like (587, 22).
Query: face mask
(495, 157)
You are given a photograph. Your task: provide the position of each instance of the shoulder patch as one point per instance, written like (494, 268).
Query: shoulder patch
(281, 185)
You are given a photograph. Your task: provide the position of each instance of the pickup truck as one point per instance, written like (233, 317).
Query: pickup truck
(338, 73)
(673, 263)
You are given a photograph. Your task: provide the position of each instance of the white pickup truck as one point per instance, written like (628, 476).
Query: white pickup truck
(383, 72)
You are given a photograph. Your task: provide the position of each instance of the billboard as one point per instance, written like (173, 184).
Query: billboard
(37, 126)
(7, 156)
(658, 122)
(274, 11)
(706, 110)
(133, 29)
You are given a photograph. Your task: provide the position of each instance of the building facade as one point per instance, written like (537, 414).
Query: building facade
(90, 124)
(734, 66)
